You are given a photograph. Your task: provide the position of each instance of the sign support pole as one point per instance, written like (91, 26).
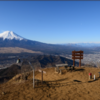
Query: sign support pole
(73, 62)
(80, 63)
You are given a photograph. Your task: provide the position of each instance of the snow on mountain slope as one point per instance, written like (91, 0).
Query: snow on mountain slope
(10, 35)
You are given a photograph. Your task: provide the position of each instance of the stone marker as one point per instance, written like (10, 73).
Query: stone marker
(90, 75)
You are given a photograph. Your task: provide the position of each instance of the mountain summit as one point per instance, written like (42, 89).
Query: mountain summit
(10, 35)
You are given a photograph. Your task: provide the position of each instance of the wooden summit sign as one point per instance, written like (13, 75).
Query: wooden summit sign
(77, 55)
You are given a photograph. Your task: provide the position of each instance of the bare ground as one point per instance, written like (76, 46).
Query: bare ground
(73, 85)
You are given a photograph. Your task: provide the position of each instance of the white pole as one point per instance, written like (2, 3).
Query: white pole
(94, 77)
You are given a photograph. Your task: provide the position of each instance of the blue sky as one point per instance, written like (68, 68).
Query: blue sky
(52, 21)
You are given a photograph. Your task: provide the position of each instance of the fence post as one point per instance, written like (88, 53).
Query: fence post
(33, 80)
(42, 77)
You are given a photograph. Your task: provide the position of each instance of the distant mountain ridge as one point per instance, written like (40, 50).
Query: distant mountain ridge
(11, 39)
(82, 44)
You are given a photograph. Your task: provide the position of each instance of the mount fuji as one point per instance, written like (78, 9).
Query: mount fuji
(10, 35)
(11, 39)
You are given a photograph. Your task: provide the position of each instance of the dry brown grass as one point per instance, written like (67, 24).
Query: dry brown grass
(16, 50)
(73, 85)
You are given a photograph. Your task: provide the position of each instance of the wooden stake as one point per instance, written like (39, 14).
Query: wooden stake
(80, 63)
(73, 62)
(33, 80)
(42, 77)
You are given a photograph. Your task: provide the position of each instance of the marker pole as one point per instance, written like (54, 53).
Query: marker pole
(94, 77)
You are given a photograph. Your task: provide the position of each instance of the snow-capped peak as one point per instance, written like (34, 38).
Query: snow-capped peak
(10, 35)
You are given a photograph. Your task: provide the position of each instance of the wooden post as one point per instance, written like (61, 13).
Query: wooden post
(73, 62)
(33, 74)
(42, 77)
(80, 60)
(80, 63)
(33, 80)
(99, 74)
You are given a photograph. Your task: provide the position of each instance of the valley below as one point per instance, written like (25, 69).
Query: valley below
(8, 59)
(92, 59)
